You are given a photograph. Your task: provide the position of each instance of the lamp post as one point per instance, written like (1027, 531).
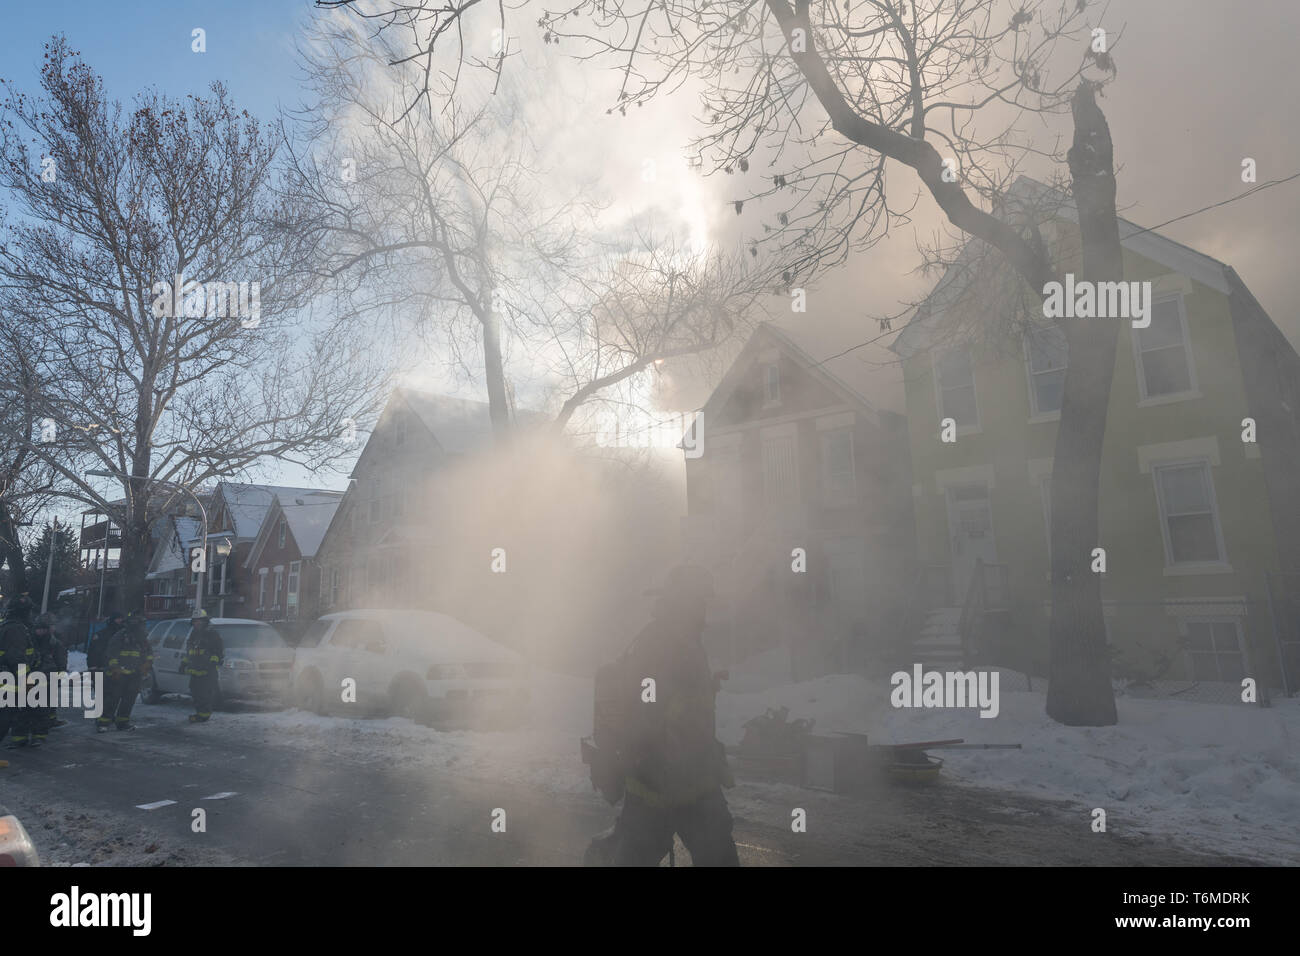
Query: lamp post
(49, 567)
(203, 515)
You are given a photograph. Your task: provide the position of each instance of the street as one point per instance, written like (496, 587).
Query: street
(301, 803)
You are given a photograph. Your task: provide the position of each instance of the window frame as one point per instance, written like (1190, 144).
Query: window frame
(771, 376)
(1035, 413)
(1236, 622)
(1193, 387)
(1161, 512)
(935, 356)
(850, 496)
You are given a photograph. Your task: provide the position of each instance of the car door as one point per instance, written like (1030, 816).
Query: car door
(339, 661)
(169, 659)
(373, 665)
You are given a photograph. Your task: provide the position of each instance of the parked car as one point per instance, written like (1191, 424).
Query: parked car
(415, 664)
(257, 662)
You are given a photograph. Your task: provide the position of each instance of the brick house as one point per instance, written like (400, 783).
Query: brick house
(281, 563)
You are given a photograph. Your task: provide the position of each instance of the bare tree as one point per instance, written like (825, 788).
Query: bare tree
(824, 94)
(137, 245)
(657, 300)
(430, 208)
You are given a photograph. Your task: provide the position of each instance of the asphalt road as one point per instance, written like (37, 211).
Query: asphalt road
(291, 805)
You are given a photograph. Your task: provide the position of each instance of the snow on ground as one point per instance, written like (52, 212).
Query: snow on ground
(1214, 776)
(1218, 778)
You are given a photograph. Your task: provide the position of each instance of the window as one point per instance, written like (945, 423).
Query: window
(399, 428)
(284, 525)
(176, 636)
(275, 594)
(376, 498)
(291, 598)
(1185, 495)
(261, 588)
(838, 485)
(780, 471)
(314, 633)
(335, 590)
(771, 385)
(1046, 352)
(957, 388)
(1214, 650)
(1163, 359)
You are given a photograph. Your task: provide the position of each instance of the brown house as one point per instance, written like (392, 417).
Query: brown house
(799, 502)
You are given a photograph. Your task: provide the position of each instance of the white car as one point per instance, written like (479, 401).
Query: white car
(416, 664)
(257, 659)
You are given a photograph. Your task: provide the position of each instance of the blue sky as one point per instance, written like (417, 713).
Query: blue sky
(135, 45)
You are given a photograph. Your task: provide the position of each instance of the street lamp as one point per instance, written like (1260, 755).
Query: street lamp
(203, 514)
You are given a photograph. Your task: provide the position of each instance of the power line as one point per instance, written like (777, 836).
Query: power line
(1231, 199)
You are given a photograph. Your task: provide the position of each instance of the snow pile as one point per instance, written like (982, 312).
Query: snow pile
(1216, 776)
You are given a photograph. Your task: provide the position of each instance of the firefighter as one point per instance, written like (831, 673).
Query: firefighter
(129, 658)
(203, 655)
(18, 649)
(54, 660)
(96, 659)
(671, 766)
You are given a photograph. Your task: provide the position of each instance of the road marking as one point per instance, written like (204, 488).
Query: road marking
(154, 806)
(221, 796)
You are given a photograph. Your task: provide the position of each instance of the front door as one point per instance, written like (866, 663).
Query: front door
(970, 525)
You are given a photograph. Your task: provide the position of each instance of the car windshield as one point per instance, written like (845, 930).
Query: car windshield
(250, 635)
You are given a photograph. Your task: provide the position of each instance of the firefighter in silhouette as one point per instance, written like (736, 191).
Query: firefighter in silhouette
(129, 658)
(654, 743)
(18, 650)
(203, 655)
(54, 660)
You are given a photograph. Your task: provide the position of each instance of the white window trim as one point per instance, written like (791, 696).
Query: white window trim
(975, 390)
(261, 588)
(1193, 388)
(1172, 568)
(1035, 416)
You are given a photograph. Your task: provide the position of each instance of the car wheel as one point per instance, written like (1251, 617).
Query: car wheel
(309, 694)
(150, 692)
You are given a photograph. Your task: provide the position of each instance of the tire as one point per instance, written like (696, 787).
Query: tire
(150, 693)
(309, 693)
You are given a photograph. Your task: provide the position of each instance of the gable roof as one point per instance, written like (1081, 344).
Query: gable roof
(843, 374)
(1030, 194)
(307, 514)
(248, 504)
(171, 554)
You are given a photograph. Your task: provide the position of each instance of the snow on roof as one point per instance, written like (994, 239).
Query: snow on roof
(248, 504)
(309, 516)
(173, 557)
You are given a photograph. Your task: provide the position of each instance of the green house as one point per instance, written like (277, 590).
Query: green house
(1198, 521)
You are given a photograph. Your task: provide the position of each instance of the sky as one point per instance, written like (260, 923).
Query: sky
(1200, 86)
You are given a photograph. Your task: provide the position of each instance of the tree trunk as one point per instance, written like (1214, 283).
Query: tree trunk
(11, 551)
(1080, 691)
(494, 372)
